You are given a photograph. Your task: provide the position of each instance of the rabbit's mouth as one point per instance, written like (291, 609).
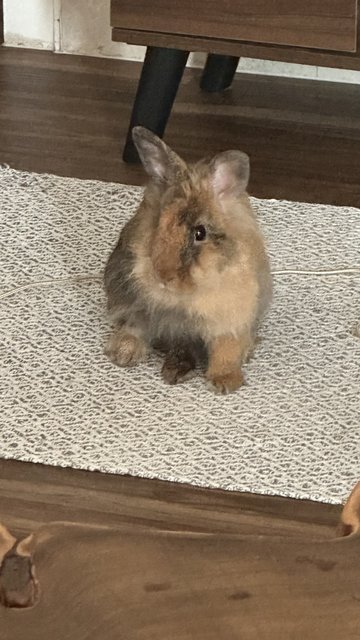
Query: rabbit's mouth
(175, 284)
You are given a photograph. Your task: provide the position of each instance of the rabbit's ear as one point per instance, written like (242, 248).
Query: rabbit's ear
(159, 161)
(229, 173)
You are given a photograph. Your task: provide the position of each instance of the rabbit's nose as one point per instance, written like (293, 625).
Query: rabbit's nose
(168, 281)
(166, 260)
(165, 275)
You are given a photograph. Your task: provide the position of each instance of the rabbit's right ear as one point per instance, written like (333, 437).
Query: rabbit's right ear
(159, 161)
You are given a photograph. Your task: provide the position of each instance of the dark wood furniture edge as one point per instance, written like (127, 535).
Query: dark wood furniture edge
(319, 24)
(315, 57)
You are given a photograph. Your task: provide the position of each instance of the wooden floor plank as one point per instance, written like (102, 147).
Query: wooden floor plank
(69, 115)
(31, 495)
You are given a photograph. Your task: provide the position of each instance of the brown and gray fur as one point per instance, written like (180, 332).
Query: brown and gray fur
(192, 298)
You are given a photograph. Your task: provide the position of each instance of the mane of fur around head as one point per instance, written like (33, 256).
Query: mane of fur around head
(218, 284)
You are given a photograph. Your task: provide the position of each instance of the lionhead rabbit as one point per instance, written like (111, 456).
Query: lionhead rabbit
(190, 270)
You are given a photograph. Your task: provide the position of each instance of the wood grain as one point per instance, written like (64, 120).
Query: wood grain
(321, 24)
(124, 583)
(295, 55)
(69, 115)
(34, 494)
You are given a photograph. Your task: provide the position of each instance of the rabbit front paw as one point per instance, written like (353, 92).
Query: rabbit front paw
(125, 349)
(179, 366)
(225, 383)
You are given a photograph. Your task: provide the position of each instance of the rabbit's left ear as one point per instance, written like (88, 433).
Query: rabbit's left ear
(229, 174)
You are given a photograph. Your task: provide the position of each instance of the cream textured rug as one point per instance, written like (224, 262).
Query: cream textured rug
(294, 430)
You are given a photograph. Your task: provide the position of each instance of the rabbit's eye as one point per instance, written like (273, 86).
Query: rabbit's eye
(199, 233)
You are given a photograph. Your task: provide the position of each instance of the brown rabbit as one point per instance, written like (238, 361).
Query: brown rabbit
(190, 270)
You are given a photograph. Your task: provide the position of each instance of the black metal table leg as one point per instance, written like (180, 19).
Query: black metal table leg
(218, 73)
(160, 77)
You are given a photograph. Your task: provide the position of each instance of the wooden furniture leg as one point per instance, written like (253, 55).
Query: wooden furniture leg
(160, 77)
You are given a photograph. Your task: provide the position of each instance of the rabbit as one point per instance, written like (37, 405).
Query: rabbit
(190, 272)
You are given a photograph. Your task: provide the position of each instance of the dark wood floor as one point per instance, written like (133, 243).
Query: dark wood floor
(68, 115)
(31, 495)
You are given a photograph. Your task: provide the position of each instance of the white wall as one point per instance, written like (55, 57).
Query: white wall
(83, 27)
(29, 23)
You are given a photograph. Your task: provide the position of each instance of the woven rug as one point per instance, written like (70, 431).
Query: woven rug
(294, 430)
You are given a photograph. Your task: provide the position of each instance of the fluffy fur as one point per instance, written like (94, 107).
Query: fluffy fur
(192, 297)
